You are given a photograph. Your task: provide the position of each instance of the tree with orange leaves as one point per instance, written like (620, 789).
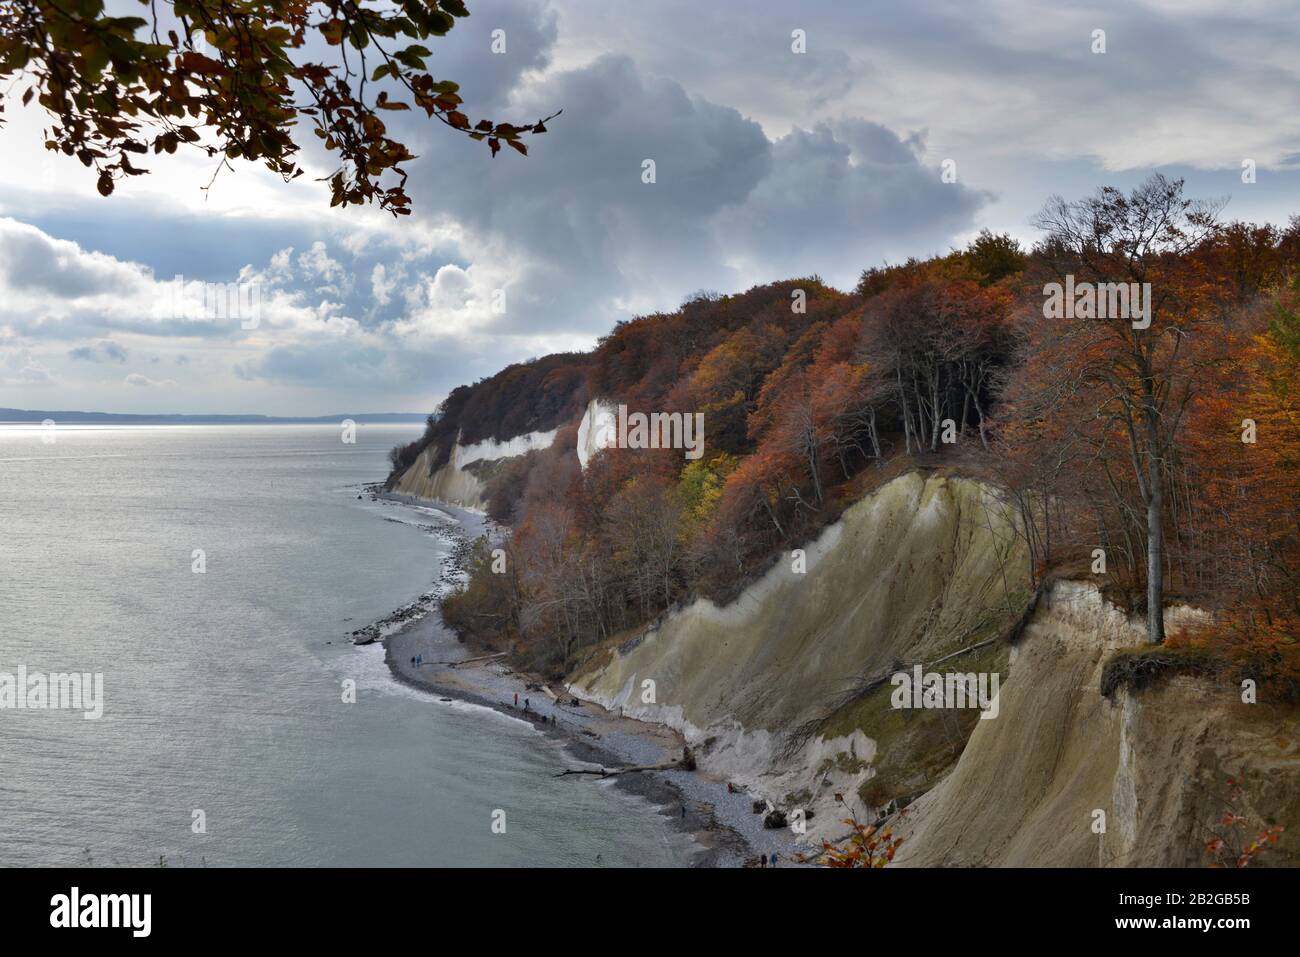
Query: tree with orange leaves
(868, 845)
(1122, 378)
(1243, 458)
(1229, 844)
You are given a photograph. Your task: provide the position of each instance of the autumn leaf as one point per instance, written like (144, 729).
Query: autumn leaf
(243, 75)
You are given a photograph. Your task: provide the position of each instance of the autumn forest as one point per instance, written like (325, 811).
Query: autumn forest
(1160, 456)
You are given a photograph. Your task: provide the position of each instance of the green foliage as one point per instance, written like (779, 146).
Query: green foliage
(701, 486)
(1284, 326)
(993, 257)
(483, 607)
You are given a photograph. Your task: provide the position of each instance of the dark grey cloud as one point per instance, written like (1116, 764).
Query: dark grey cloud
(769, 164)
(83, 323)
(1019, 78)
(312, 363)
(574, 221)
(593, 242)
(33, 262)
(530, 30)
(844, 196)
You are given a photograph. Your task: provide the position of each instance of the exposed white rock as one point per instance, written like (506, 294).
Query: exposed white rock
(909, 570)
(598, 430)
(918, 560)
(452, 483)
(490, 449)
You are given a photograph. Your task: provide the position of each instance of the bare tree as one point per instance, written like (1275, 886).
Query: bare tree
(1137, 367)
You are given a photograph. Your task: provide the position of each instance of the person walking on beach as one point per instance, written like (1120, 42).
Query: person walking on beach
(762, 860)
(516, 699)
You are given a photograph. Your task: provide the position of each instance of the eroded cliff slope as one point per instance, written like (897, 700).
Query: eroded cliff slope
(1031, 787)
(462, 479)
(786, 691)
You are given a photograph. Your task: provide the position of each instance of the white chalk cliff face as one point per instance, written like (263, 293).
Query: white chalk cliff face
(770, 690)
(785, 690)
(490, 449)
(458, 481)
(1067, 778)
(598, 430)
(763, 687)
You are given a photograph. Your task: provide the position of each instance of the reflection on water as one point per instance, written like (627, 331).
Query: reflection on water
(224, 690)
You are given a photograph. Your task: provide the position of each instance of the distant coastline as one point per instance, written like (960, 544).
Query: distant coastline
(24, 416)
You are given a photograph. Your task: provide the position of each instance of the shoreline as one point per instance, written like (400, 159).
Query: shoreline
(721, 823)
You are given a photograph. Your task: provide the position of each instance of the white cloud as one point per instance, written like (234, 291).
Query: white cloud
(769, 164)
(381, 287)
(19, 367)
(317, 263)
(35, 267)
(143, 381)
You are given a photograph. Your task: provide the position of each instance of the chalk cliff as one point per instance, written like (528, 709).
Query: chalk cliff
(462, 479)
(787, 692)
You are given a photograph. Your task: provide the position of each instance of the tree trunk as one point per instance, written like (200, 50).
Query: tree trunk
(907, 418)
(1155, 568)
(1155, 527)
(979, 412)
(816, 473)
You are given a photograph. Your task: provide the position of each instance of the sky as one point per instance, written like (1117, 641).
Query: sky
(787, 140)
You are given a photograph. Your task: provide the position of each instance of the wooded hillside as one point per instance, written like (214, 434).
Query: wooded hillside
(1159, 454)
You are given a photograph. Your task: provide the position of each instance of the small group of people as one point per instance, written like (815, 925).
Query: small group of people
(528, 706)
(417, 660)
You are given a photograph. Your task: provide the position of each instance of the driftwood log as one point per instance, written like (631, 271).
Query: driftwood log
(614, 772)
(470, 661)
(685, 763)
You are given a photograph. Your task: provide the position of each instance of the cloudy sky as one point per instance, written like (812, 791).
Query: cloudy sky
(769, 163)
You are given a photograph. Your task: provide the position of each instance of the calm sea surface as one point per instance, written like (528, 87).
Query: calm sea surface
(223, 691)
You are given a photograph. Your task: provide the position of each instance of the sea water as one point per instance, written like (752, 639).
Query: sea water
(211, 575)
